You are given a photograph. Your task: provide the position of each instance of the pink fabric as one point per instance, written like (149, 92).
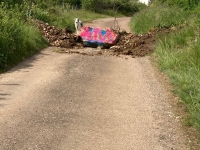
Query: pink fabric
(98, 35)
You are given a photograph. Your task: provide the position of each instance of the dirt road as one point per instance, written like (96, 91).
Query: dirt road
(123, 23)
(56, 101)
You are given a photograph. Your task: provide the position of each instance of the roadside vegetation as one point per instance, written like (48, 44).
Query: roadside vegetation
(178, 53)
(20, 38)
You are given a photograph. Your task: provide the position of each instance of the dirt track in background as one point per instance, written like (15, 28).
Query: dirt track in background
(70, 101)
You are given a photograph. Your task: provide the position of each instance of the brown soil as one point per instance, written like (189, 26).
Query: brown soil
(135, 45)
(59, 37)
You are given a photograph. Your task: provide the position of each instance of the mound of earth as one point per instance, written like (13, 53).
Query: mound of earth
(59, 37)
(135, 45)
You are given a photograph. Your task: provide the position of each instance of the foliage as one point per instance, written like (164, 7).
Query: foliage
(18, 38)
(158, 17)
(41, 14)
(187, 4)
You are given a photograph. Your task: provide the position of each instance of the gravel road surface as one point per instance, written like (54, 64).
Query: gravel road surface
(55, 101)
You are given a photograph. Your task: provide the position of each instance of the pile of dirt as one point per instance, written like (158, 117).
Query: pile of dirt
(59, 37)
(135, 45)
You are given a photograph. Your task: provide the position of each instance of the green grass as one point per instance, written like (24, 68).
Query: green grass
(181, 63)
(157, 17)
(18, 39)
(179, 57)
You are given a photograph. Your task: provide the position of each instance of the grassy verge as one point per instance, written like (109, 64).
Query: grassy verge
(157, 17)
(178, 53)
